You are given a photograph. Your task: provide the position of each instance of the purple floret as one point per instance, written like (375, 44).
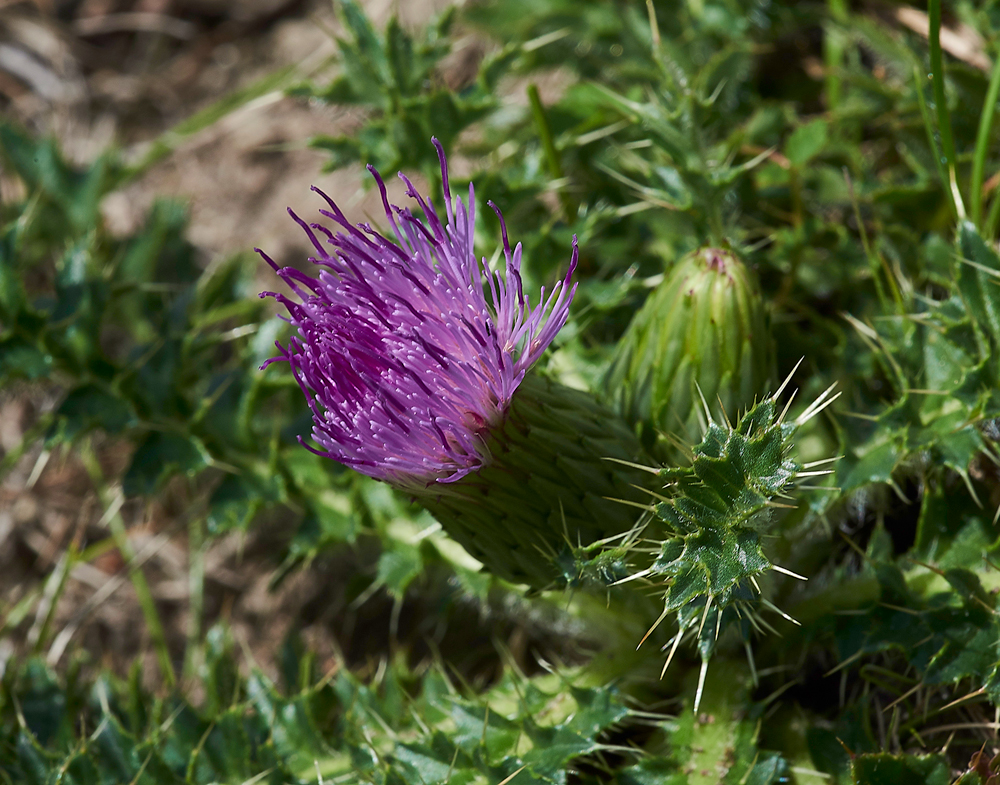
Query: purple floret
(404, 359)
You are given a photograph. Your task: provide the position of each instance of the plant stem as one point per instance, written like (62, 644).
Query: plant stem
(876, 262)
(142, 591)
(993, 218)
(168, 141)
(551, 153)
(941, 104)
(833, 53)
(45, 612)
(196, 593)
(982, 145)
(932, 143)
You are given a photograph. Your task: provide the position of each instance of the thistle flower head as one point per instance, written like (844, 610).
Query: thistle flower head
(410, 350)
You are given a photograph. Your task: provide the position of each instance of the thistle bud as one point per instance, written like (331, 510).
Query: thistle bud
(704, 327)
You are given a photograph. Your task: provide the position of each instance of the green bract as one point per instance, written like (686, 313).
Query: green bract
(704, 327)
(547, 487)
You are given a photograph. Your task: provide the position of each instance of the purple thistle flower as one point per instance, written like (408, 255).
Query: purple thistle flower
(404, 359)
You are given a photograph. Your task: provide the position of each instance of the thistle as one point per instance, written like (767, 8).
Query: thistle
(413, 355)
(703, 328)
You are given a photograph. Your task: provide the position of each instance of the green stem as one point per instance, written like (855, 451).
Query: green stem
(932, 143)
(993, 219)
(833, 53)
(38, 635)
(196, 593)
(982, 145)
(549, 147)
(876, 261)
(142, 591)
(941, 104)
(32, 435)
(795, 191)
(169, 140)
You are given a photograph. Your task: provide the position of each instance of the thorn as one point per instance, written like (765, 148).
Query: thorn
(679, 444)
(972, 491)
(756, 585)
(635, 577)
(982, 268)
(646, 507)
(633, 465)
(673, 651)
(654, 494)
(817, 473)
(781, 506)
(860, 326)
(613, 537)
(778, 610)
(906, 695)
(931, 567)
(783, 571)
(813, 408)
(817, 410)
(814, 464)
(788, 378)
(767, 624)
(704, 616)
(708, 412)
(562, 513)
(898, 491)
(724, 415)
(656, 624)
(753, 665)
(859, 416)
(508, 779)
(856, 656)
(980, 691)
(857, 548)
(784, 411)
(701, 685)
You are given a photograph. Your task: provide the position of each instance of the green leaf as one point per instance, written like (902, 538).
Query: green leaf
(158, 457)
(20, 359)
(397, 567)
(91, 406)
(478, 729)
(77, 192)
(873, 466)
(979, 280)
(13, 298)
(885, 769)
(235, 503)
(806, 142)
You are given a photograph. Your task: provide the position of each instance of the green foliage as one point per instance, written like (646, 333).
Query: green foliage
(402, 729)
(147, 346)
(395, 76)
(902, 769)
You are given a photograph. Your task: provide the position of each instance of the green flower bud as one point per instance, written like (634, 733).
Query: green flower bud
(704, 327)
(546, 487)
